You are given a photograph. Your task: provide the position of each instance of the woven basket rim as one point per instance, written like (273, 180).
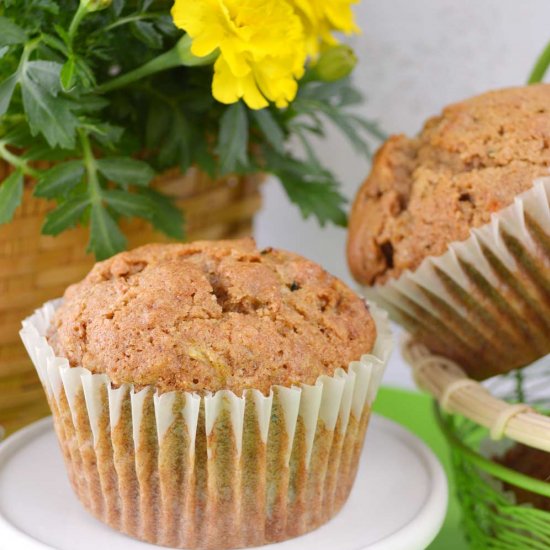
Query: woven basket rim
(484, 463)
(456, 393)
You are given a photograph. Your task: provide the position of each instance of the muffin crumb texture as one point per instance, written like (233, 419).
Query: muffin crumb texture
(208, 316)
(426, 192)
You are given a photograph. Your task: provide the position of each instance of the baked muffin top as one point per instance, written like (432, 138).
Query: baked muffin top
(425, 192)
(208, 316)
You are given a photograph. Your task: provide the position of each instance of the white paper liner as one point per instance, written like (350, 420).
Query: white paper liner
(485, 302)
(130, 469)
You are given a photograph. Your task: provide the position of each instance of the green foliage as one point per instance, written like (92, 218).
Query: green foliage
(66, 215)
(233, 140)
(165, 216)
(59, 180)
(126, 170)
(11, 192)
(91, 95)
(6, 91)
(311, 187)
(129, 204)
(106, 239)
(10, 33)
(47, 114)
(273, 133)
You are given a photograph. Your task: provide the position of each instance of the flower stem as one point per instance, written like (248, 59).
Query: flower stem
(167, 60)
(541, 66)
(520, 394)
(130, 19)
(27, 50)
(179, 55)
(77, 19)
(94, 189)
(18, 162)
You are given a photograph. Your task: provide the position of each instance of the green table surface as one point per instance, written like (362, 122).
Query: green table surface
(414, 411)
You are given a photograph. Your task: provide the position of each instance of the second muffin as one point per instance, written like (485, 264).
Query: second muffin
(451, 230)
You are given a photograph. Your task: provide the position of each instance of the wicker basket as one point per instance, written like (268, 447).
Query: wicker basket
(481, 422)
(35, 268)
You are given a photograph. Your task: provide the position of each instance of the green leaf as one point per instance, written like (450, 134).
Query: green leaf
(184, 140)
(315, 128)
(324, 91)
(129, 204)
(117, 6)
(19, 136)
(126, 170)
(11, 192)
(51, 116)
(183, 149)
(315, 198)
(350, 96)
(343, 121)
(371, 127)
(3, 51)
(40, 150)
(233, 138)
(146, 33)
(166, 217)
(270, 128)
(106, 134)
(68, 74)
(63, 34)
(46, 74)
(310, 186)
(48, 6)
(203, 157)
(6, 91)
(312, 159)
(165, 24)
(65, 215)
(159, 119)
(10, 33)
(60, 179)
(169, 133)
(55, 43)
(305, 171)
(91, 103)
(84, 73)
(106, 239)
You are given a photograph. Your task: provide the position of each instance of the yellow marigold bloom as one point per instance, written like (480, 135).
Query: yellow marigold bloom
(322, 17)
(261, 44)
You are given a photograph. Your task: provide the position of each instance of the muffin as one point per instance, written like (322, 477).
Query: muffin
(533, 463)
(210, 395)
(451, 231)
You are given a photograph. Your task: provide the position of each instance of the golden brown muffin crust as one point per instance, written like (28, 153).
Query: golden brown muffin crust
(211, 315)
(426, 192)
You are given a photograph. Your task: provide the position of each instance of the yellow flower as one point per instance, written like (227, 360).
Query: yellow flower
(322, 17)
(261, 44)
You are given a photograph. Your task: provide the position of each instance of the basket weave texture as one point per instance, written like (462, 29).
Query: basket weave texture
(35, 268)
(512, 409)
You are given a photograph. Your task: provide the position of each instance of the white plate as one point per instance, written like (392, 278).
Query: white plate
(398, 501)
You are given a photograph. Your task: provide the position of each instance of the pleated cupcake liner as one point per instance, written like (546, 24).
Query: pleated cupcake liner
(213, 471)
(485, 303)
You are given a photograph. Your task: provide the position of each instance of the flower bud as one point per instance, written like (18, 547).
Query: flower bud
(335, 63)
(95, 5)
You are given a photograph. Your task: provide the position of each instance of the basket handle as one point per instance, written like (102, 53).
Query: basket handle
(456, 393)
